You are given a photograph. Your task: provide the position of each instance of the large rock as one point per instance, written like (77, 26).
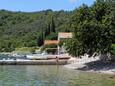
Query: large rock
(112, 57)
(103, 57)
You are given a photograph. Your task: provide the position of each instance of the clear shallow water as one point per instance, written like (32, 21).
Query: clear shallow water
(23, 75)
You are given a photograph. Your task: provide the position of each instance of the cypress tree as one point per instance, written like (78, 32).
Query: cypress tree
(47, 31)
(52, 26)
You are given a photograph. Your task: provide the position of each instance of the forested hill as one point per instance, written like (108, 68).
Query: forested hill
(21, 29)
(92, 25)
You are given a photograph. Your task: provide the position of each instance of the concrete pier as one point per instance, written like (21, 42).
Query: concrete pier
(32, 62)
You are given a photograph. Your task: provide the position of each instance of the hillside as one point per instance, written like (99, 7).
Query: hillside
(22, 29)
(93, 27)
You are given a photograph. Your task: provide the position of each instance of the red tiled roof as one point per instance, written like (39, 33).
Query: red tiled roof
(46, 42)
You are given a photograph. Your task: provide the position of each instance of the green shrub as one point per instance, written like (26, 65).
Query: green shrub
(51, 48)
(52, 36)
(113, 49)
(62, 41)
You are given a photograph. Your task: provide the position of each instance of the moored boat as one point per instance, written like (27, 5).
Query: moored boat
(36, 57)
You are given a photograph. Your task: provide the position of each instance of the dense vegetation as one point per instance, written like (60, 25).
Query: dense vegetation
(94, 29)
(51, 48)
(20, 29)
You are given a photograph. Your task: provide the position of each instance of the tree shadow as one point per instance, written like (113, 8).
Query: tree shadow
(97, 66)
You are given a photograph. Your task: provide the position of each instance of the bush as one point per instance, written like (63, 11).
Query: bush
(62, 41)
(113, 49)
(52, 36)
(52, 48)
(27, 49)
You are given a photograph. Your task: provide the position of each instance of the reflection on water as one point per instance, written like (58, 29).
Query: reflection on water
(50, 76)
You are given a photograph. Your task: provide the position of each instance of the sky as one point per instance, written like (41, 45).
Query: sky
(38, 5)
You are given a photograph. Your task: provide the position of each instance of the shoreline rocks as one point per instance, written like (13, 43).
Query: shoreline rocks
(91, 65)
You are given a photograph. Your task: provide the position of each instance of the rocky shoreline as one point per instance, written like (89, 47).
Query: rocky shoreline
(91, 65)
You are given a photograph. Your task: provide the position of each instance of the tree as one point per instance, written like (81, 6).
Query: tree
(47, 30)
(40, 40)
(112, 5)
(53, 26)
(92, 30)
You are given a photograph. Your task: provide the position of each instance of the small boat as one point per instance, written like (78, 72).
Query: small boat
(42, 56)
(36, 57)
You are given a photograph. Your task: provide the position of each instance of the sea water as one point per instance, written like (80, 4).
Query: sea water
(44, 75)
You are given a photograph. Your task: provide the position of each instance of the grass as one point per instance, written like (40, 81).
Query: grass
(26, 49)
